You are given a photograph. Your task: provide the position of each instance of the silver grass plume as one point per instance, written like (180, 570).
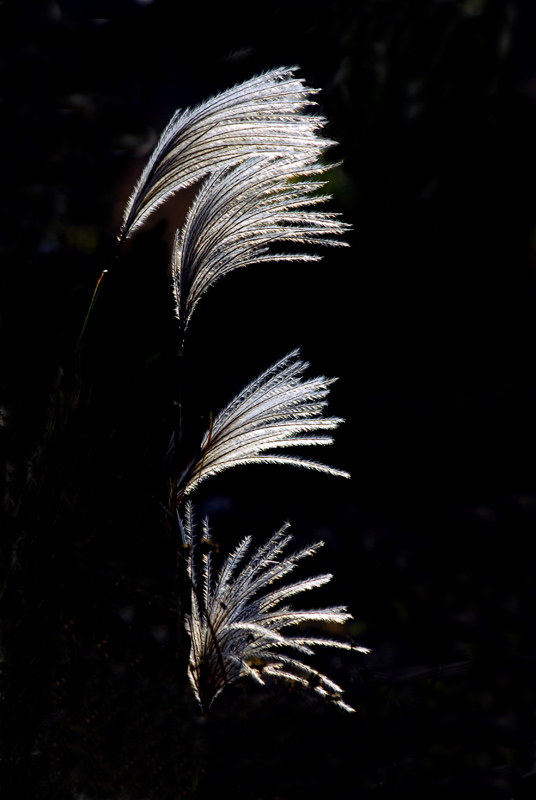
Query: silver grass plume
(264, 115)
(236, 216)
(279, 409)
(236, 620)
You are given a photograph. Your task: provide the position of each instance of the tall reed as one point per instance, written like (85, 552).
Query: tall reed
(257, 152)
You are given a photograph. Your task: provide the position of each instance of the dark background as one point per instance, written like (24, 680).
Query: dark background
(428, 320)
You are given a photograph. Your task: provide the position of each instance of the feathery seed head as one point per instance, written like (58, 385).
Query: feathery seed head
(235, 625)
(239, 213)
(264, 115)
(278, 410)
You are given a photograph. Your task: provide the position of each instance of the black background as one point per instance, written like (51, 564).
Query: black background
(429, 322)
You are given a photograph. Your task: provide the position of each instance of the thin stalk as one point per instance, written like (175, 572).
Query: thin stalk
(96, 293)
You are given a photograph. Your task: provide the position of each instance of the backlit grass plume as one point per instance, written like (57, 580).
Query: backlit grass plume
(239, 213)
(259, 152)
(236, 620)
(278, 410)
(236, 214)
(264, 115)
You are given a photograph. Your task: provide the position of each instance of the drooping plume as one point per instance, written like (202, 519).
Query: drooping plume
(278, 410)
(263, 116)
(239, 213)
(236, 621)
